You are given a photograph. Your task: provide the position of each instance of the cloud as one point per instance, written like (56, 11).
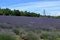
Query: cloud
(51, 7)
(37, 4)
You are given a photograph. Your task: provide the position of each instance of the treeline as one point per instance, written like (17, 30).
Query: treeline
(9, 12)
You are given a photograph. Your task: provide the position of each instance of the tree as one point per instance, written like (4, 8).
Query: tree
(9, 12)
(6, 11)
(16, 12)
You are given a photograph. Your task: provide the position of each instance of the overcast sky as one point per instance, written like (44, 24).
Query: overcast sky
(52, 7)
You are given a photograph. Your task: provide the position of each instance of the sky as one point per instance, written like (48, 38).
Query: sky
(51, 7)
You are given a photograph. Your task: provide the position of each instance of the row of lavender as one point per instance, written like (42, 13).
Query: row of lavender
(31, 22)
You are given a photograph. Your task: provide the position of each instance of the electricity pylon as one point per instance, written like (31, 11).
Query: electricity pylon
(44, 12)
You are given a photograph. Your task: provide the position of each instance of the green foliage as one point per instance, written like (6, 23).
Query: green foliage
(56, 17)
(6, 37)
(48, 36)
(31, 36)
(16, 32)
(16, 12)
(9, 12)
(18, 38)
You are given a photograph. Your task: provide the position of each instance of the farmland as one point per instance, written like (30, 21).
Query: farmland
(33, 25)
(29, 19)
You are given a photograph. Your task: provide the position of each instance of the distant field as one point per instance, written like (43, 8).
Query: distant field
(32, 22)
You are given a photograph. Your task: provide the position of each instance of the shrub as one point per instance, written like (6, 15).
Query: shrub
(31, 36)
(6, 37)
(48, 35)
(16, 31)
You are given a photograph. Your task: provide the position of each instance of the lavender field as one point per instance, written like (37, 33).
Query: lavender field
(29, 19)
(33, 22)
(38, 25)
